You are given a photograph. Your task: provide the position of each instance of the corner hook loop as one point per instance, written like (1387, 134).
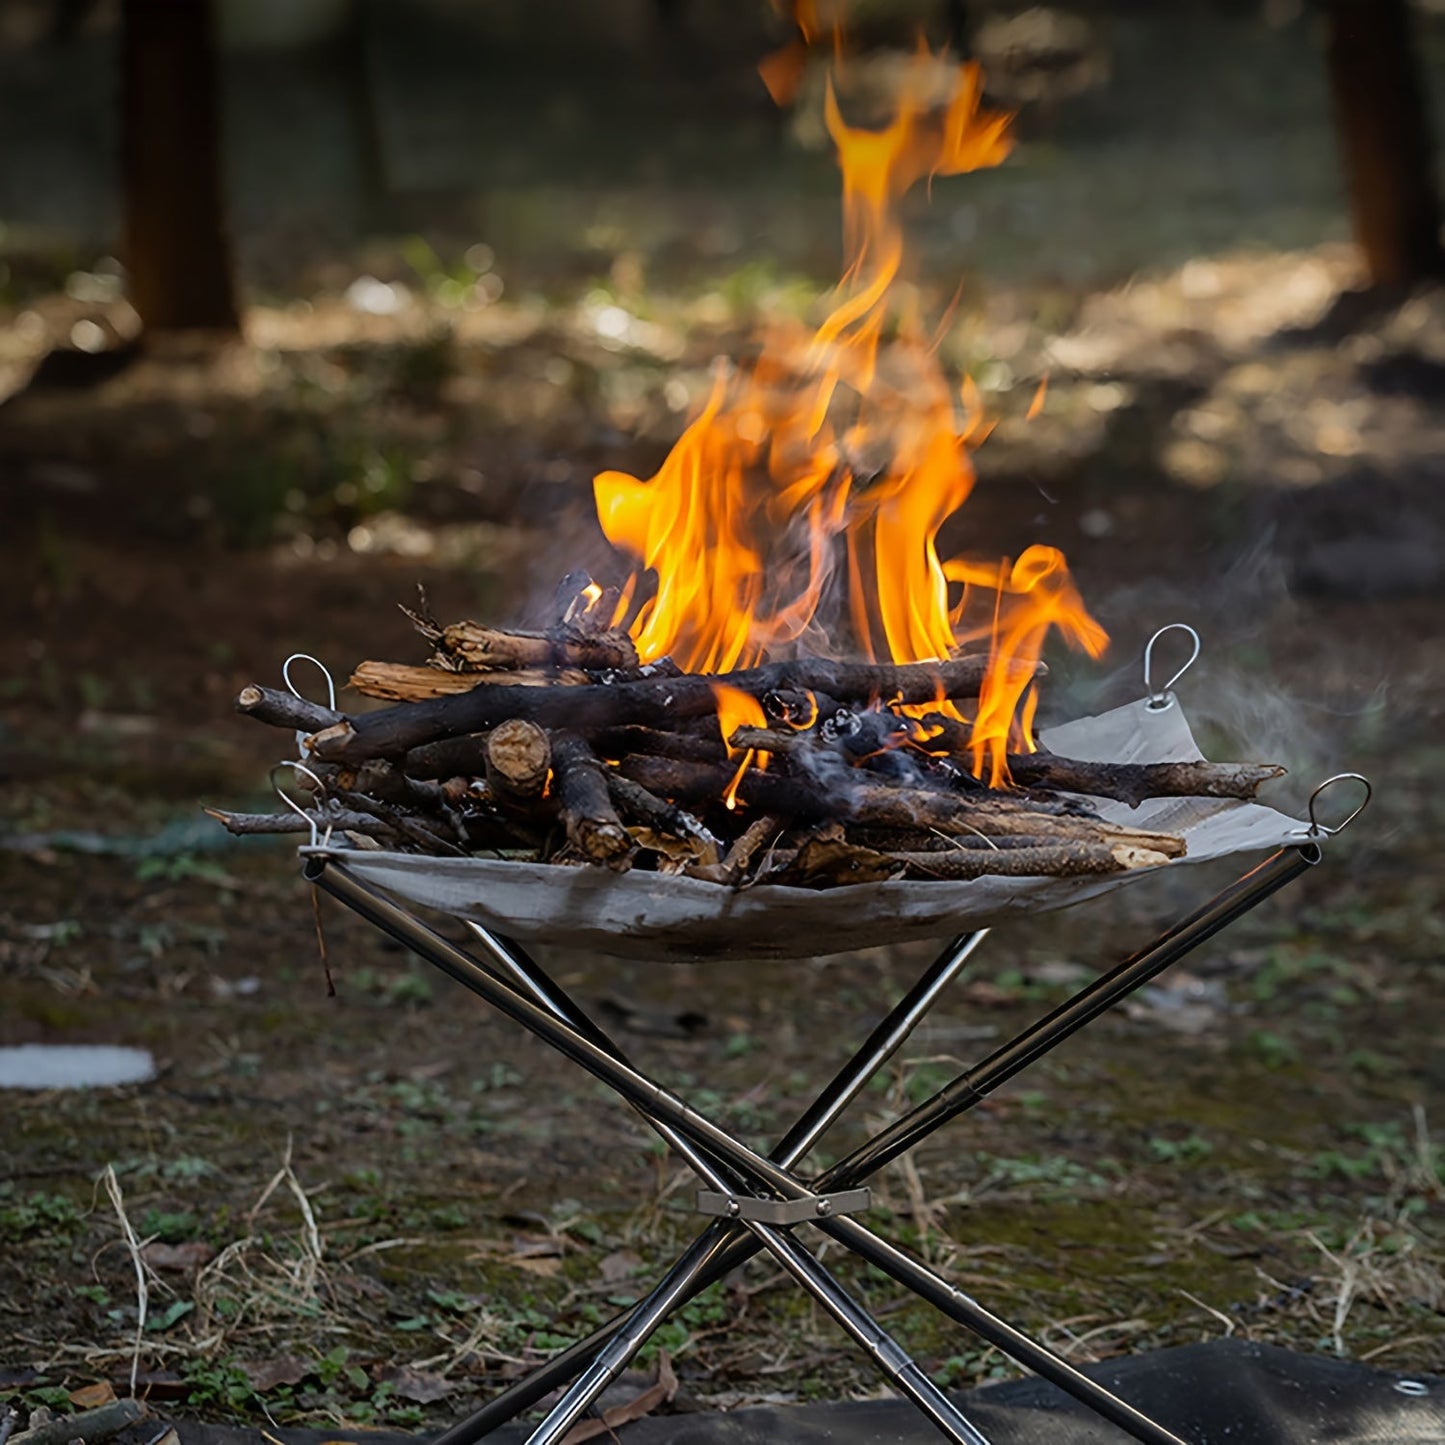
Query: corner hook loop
(291, 803)
(1162, 699)
(1328, 830)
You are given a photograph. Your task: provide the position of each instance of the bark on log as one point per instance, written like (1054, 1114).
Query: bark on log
(400, 682)
(919, 840)
(431, 835)
(343, 820)
(691, 747)
(1128, 783)
(1063, 860)
(518, 759)
(651, 811)
(465, 756)
(592, 824)
(284, 709)
(489, 649)
(869, 801)
(652, 703)
(1132, 783)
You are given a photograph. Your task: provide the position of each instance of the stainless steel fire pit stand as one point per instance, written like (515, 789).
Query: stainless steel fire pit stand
(518, 987)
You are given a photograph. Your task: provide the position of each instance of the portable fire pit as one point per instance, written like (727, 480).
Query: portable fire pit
(758, 1202)
(679, 765)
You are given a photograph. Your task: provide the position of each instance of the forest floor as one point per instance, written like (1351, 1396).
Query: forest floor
(378, 1206)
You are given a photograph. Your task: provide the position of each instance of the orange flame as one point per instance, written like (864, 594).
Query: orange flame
(736, 709)
(847, 440)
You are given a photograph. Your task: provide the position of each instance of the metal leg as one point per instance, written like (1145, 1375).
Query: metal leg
(697, 1266)
(730, 1247)
(904, 1373)
(672, 1291)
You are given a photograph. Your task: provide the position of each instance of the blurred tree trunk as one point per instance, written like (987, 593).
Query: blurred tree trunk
(1385, 139)
(176, 251)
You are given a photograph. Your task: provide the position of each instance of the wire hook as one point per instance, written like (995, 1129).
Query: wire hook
(1327, 830)
(325, 841)
(301, 733)
(1163, 699)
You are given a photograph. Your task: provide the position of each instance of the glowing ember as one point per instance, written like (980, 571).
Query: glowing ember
(846, 449)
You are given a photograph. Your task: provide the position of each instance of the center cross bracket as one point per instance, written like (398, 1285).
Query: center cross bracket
(782, 1211)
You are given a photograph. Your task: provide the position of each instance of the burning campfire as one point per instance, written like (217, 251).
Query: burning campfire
(699, 718)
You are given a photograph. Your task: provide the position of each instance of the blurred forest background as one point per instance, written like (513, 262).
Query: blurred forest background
(305, 301)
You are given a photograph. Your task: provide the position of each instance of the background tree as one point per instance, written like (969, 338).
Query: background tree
(175, 245)
(1385, 139)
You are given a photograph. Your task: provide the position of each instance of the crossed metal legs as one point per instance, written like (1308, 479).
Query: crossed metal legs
(518, 988)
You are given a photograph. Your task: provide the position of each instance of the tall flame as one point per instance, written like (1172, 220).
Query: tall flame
(850, 440)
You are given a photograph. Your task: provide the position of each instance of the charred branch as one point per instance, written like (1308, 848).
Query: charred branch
(651, 703)
(592, 824)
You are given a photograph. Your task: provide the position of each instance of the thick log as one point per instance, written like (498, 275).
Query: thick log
(592, 824)
(399, 682)
(464, 756)
(1061, 860)
(284, 709)
(518, 759)
(689, 746)
(866, 800)
(489, 649)
(651, 703)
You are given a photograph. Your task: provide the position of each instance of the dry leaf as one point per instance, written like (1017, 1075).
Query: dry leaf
(264, 1375)
(89, 1396)
(635, 1409)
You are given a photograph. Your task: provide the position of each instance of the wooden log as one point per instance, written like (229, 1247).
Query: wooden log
(1128, 783)
(518, 760)
(284, 709)
(399, 682)
(633, 800)
(1059, 860)
(592, 824)
(650, 703)
(431, 835)
(343, 819)
(1134, 782)
(464, 756)
(920, 840)
(866, 800)
(799, 709)
(475, 648)
(388, 783)
(686, 746)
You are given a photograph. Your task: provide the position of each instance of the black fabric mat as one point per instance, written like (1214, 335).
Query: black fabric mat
(1226, 1392)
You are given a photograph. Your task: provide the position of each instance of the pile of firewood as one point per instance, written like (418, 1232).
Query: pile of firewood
(560, 747)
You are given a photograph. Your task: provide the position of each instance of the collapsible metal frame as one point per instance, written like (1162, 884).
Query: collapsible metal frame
(760, 1201)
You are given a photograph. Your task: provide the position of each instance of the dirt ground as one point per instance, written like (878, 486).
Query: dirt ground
(374, 1208)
